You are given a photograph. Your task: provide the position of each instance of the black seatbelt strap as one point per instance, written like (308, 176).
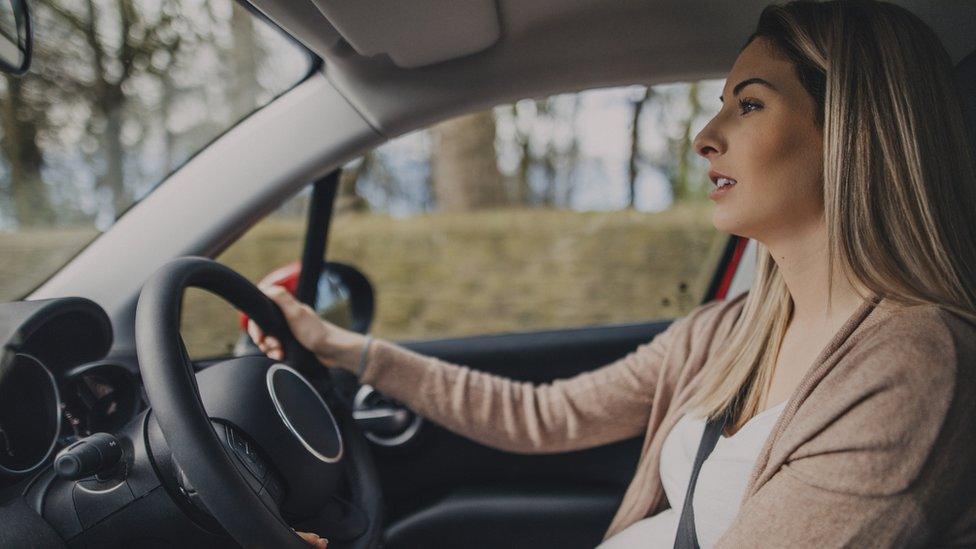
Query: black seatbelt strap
(686, 537)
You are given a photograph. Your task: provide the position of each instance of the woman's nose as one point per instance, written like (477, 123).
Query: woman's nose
(707, 142)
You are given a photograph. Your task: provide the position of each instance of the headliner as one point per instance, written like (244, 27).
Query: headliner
(404, 65)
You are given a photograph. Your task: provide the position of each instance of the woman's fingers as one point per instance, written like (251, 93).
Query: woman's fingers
(314, 539)
(302, 320)
(290, 307)
(269, 345)
(255, 331)
(272, 348)
(279, 295)
(275, 352)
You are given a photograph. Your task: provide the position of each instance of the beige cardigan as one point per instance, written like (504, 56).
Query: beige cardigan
(875, 448)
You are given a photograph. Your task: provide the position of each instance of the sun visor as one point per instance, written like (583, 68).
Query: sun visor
(414, 34)
(302, 20)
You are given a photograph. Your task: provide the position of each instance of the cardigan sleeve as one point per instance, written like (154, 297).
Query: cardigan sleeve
(884, 469)
(608, 404)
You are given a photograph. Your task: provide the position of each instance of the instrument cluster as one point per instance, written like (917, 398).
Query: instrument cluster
(42, 410)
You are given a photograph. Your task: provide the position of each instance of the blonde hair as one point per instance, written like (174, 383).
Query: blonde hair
(899, 181)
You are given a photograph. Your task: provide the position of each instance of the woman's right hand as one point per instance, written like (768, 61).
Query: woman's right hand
(332, 346)
(314, 539)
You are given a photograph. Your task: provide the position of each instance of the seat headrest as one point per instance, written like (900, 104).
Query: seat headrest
(966, 82)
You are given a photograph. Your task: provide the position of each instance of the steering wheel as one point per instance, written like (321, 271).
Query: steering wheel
(257, 442)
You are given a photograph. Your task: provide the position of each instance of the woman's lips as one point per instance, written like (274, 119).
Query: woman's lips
(721, 191)
(714, 176)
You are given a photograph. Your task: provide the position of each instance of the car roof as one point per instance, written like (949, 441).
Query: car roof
(404, 65)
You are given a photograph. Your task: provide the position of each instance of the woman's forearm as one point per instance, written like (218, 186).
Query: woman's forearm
(340, 348)
(605, 405)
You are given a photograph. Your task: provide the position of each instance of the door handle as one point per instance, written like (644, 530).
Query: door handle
(382, 421)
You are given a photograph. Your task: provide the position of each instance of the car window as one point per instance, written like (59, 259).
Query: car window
(551, 213)
(118, 96)
(545, 214)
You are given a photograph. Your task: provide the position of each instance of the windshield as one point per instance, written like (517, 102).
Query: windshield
(119, 95)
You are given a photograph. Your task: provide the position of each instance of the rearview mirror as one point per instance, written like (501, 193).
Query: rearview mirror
(16, 39)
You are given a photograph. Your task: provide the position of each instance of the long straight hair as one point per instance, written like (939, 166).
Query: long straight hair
(899, 181)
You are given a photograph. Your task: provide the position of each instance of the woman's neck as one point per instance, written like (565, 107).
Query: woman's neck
(802, 261)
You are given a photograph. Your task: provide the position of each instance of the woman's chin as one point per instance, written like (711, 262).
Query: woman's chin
(723, 221)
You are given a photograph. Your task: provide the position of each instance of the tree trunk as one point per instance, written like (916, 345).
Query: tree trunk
(347, 197)
(632, 163)
(542, 107)
(245, 54)
(571, 159)
(464, 166)
(169, 92)
(523, 192)
(114, 176)
(682, 187)
(24, 158)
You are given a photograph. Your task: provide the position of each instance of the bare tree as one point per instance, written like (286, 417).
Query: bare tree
(21, 122)
(246, 53)
(522, 191)
(635, 149)
(547, 146)
(111, 66)
(683, 177)
(464, 166)
(347, 197)
(571, 156)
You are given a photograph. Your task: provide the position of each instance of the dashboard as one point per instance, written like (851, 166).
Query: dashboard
(55, 384)
(43, 409)
(60, 389)
(117, 482)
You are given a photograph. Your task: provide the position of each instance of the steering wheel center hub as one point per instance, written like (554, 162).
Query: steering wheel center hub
(304, 413)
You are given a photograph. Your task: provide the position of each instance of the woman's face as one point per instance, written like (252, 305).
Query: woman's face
(765, 138)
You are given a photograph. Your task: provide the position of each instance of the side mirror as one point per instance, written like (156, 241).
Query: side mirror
(344, 297)
(16, 36)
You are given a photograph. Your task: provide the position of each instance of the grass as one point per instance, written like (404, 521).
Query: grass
(493, 271)
(443, 275)
(29, 257)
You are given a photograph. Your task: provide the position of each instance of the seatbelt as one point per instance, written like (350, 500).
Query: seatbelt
(686, 537)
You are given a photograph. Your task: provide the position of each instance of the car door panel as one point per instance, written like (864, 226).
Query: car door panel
(444, 486)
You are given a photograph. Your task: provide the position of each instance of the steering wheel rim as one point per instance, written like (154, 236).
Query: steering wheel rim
(172, 390)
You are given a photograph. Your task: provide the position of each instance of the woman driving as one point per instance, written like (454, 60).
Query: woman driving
(831, 404)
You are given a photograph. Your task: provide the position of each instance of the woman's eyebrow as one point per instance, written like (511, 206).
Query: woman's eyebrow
(754, 80)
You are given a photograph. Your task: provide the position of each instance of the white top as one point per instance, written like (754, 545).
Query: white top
(718, 492)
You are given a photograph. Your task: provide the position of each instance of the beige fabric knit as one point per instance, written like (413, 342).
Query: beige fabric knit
(875, 448)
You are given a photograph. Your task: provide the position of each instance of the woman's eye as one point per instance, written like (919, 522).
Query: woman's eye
(747, 106)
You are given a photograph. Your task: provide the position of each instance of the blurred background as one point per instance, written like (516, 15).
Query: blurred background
(577, 209)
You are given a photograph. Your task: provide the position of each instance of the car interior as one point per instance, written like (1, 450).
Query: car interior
(241, 450)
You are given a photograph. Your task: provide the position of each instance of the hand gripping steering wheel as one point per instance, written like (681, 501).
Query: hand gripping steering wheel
(261, 442)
